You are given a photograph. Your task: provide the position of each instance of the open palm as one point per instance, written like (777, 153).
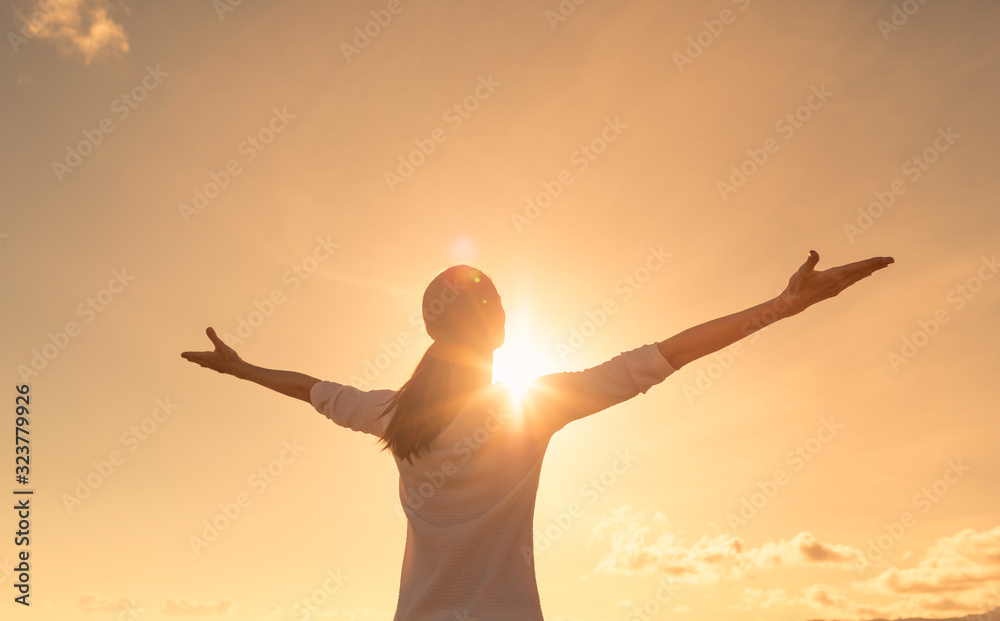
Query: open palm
(224, 359)
(808, 286)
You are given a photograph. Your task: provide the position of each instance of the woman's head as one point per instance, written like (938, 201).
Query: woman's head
(462, 306)
(464, 317)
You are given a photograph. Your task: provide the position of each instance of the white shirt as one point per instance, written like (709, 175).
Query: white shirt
(470, 500)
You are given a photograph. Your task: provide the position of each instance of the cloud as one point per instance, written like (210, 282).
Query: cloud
(803, 550)
(298, 612)
(76, 27)
(364, 614)
(831, 600)
(964, 561)
(959, 573)
(175, 606)
(641, 544)
(90, 602)
(759, 599)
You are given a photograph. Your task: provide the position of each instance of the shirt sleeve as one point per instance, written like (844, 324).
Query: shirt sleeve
(350, 407)
(559, 398)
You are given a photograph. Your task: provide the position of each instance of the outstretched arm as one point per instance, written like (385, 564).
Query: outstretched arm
(225, 360)
(805, 288)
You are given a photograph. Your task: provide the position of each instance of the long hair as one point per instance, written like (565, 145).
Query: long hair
(458, 307)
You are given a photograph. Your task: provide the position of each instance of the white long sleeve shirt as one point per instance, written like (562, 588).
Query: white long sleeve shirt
(470, 500)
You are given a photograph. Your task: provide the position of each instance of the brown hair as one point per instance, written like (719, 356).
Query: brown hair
(457, 307)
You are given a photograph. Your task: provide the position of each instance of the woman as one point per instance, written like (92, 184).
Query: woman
(469, 457)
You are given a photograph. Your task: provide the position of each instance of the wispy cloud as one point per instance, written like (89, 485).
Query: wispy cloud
(90, 602)
(965, 561)
(641, 544)
(175, 606)
(957, 575)
(81, 27)
(277, 613)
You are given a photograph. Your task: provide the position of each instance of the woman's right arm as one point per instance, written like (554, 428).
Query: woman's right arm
(225, 360)
(805, 288)
(560, 398)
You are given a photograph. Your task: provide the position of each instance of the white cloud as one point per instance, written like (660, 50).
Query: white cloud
(641, 544)
(958, 575)
(175, 606)
(299, 611)
(76, 27)
(90, 602)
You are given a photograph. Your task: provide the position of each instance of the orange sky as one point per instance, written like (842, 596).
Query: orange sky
(623, 172)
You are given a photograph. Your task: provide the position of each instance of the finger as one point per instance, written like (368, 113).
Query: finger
(850, 272)
(206, 362)
(196, 356)
(811, 261)
(872, 263)
(215, 338)
(864, 269)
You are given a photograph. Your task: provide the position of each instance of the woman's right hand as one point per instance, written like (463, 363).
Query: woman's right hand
(224, 359)
(807, 286)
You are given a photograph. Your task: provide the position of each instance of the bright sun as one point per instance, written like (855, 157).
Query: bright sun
(520, 360)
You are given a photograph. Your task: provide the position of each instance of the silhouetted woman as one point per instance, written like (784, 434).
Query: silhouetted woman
(470, 457)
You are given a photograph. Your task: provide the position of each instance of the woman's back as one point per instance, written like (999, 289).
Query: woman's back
(469, 503)
(469, 499)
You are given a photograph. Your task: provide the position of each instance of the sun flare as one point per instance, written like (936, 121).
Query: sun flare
(519, 361)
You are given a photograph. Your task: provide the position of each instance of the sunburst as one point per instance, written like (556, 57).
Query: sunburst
(521, 359)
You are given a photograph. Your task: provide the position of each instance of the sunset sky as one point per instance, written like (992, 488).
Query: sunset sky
(295, 173)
